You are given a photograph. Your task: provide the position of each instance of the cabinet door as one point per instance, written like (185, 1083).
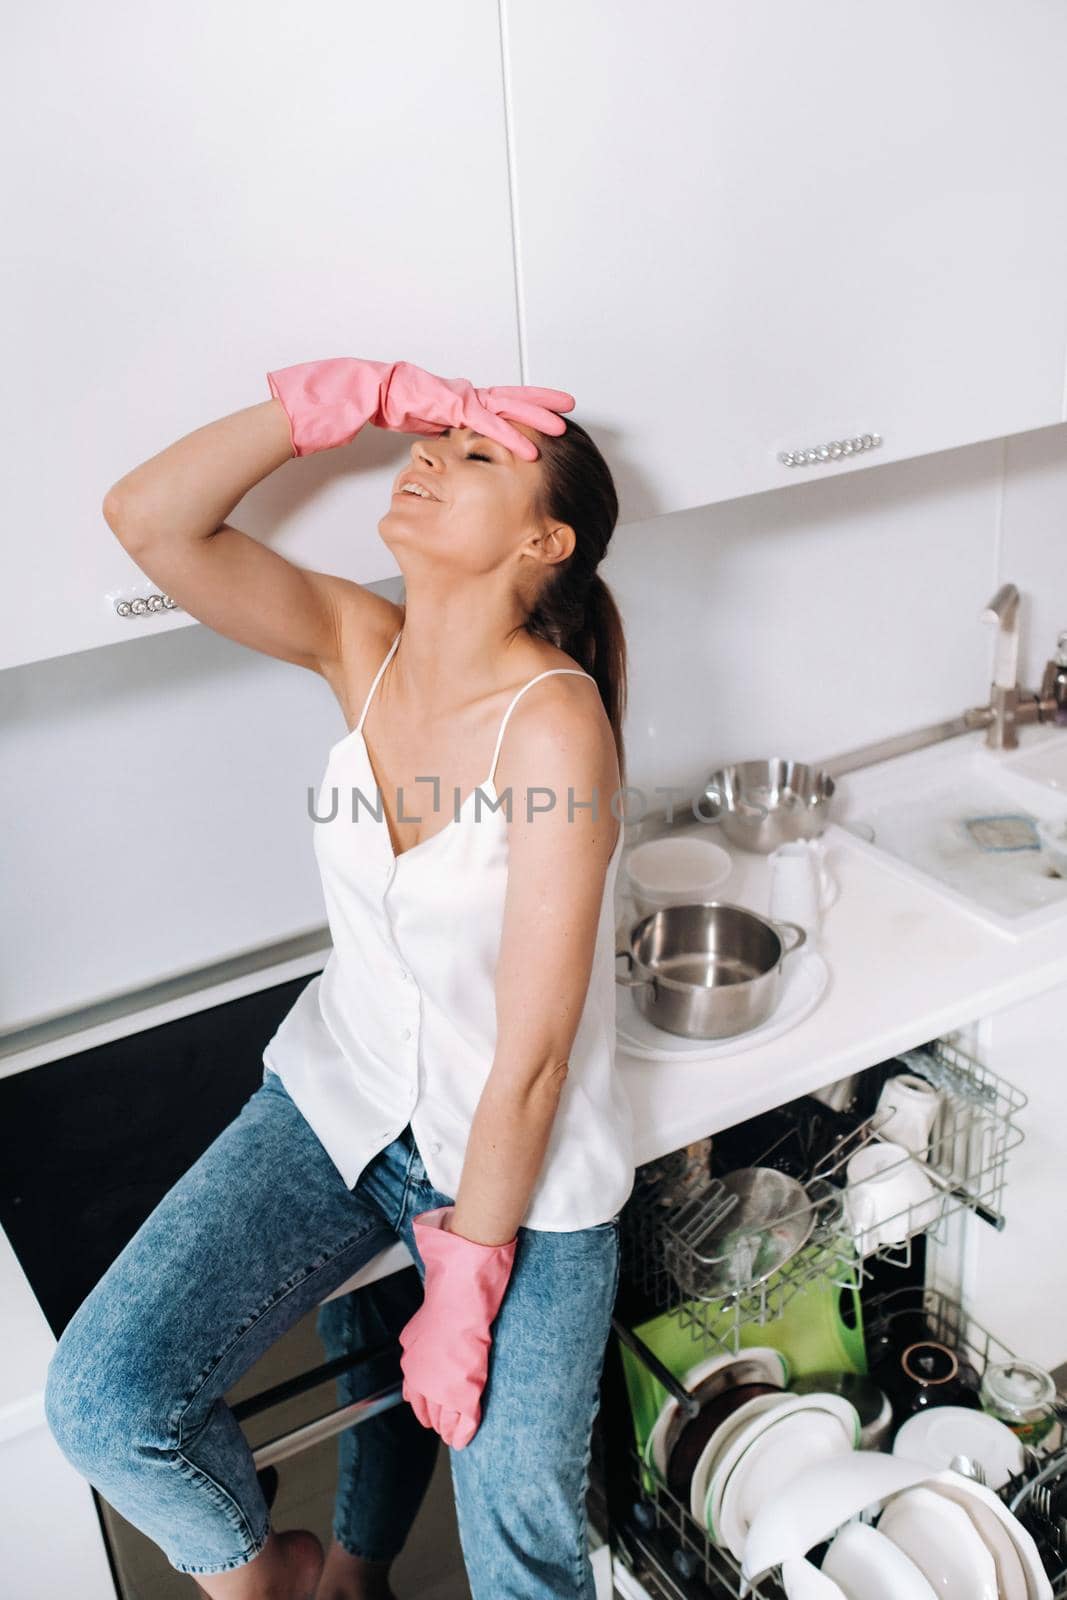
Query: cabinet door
(205, 195)
(747, 229)
(1017, 1284)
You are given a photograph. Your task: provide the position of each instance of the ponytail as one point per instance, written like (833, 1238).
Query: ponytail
(600, 647)
(576, 611)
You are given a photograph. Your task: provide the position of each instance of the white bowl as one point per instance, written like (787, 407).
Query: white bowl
(679, 871)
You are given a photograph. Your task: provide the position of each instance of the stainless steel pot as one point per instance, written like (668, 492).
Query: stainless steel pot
(708, 970)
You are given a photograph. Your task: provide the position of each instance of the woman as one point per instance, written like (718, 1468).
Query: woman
(448, 1079)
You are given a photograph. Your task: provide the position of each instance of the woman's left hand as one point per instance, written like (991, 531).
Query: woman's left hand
(446, 1343)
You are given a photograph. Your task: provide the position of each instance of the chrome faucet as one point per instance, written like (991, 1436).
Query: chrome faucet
(1003, 612)
(1009, 704)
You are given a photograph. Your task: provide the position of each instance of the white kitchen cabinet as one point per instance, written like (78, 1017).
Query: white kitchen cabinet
(745, 230)
(205, 197)
(737, 233)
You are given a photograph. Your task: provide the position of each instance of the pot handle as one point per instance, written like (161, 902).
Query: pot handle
(797, 942)
(629, 981)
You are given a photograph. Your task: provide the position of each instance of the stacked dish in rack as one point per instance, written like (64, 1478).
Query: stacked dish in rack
(786, 1472)
(939, 1536)
(771, 1475)
(749, 1438)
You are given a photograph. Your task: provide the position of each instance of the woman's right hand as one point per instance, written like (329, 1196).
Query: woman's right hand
(328, 402)
(417, 401)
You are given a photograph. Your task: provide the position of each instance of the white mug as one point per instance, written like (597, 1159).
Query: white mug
(906, 1111)
(889, 1197)
(801, 885)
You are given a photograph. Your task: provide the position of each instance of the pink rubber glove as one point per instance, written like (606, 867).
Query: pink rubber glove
(328, 402)
(446, 1343)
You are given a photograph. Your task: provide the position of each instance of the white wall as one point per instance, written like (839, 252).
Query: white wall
(153, 793)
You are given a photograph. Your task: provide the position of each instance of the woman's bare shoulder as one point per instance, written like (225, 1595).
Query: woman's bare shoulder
(562, 718)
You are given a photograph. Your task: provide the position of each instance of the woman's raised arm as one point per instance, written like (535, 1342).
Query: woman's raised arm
(170, 512)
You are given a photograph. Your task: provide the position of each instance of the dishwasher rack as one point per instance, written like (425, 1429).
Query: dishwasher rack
(673, 1557)
(677, 1207)
(1045, 1468)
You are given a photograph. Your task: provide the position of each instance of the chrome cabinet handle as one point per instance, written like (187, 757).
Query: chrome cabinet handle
(833, 451)
(141, 605)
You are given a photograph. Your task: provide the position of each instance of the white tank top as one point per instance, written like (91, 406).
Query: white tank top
(401, 1025)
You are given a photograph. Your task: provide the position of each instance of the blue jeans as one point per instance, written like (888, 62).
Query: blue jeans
(258, 1231)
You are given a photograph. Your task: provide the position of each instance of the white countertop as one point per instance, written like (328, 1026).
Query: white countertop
(904, 968)
(906, 965)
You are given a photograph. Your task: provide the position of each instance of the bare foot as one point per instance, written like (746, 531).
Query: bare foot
(287, 1568)
(348, 1577)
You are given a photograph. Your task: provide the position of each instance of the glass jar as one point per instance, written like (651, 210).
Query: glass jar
(1022, 1396)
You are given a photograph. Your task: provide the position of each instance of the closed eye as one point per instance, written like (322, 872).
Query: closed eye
(475, 457)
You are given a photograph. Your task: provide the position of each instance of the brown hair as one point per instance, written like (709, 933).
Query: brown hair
(575, 610)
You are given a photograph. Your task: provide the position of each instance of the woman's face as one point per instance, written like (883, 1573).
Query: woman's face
(482, 512)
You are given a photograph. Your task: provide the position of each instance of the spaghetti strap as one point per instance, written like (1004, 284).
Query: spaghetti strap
(374, 685)
(500, 736)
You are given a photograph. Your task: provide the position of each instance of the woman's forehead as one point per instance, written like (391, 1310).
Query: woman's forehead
(531, 433)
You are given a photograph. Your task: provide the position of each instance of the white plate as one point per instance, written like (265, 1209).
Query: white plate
(805, 977)
(1011, 1577)
(812, 1507)
(941, 1540)
(864, 1562)
(1038, 1585)
(843, 1411)
(720, 1440)
(776, 1371)
(935, 1436)
(790, 1446)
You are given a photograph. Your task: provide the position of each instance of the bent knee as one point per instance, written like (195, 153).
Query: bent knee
(96, 1399)
(68, 1402)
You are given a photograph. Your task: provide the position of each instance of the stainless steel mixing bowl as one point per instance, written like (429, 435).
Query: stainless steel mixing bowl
(762, 804)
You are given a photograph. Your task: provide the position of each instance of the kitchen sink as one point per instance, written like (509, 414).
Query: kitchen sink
(913, 812)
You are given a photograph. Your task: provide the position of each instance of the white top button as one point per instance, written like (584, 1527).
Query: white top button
(405, 1033)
